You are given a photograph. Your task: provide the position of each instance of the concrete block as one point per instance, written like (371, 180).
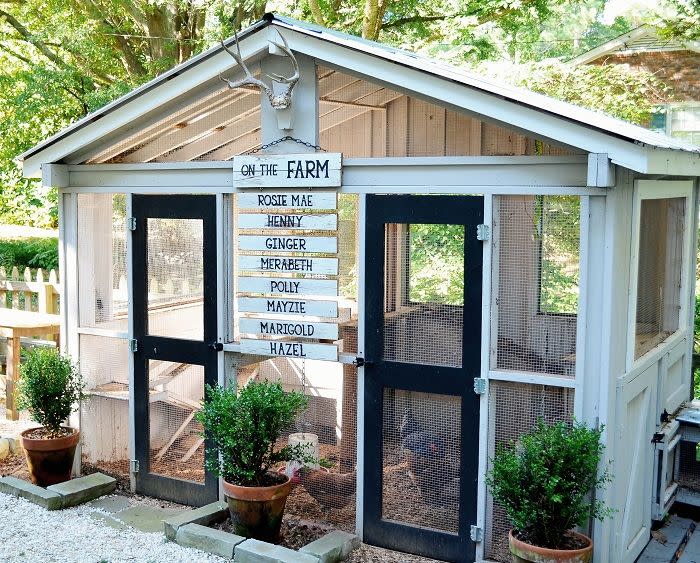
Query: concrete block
(15, 445)
(691, 552)
(205, 515)
(206, 539)
(84, 489)
(333, 547)
(254, 551)
(33, 493)
(144, 517)
(4, 448)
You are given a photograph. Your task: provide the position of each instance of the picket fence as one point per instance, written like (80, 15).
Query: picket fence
(37, 292)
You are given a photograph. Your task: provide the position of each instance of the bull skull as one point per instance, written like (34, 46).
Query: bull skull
(277, 101)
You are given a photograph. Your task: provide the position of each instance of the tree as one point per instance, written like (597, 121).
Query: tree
(684, 21)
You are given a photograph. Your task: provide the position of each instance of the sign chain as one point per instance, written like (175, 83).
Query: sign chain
(282, 140)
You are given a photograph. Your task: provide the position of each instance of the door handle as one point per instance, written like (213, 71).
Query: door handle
(216, 346)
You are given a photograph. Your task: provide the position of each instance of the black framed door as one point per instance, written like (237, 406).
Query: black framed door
(174, 282)
(422, 351)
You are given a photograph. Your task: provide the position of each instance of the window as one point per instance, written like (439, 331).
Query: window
(558, 224)
(678, 120)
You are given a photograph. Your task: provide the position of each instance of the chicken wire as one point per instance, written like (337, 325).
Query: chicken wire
(514, 409)
(662, 224)
(324, 496)
(104, 414)
(175, 274)
(535, 275)
(688, 465)
(424, 294)
(102, 273)
(176, 447)
(421, 449)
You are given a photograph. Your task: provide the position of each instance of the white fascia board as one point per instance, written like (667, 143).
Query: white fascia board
(610, 46)
(141, 105)
(672, 162)
(444, 91)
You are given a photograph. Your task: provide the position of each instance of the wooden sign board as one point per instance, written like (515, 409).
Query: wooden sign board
(295, 329)
(290, 349)
(314, 170)
(287, 286)
(288, 201)
(305, 307)
(327, 222)
(327, 245)
(289, 264)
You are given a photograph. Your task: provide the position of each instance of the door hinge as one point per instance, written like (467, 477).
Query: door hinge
(476, 534)
(479, 385)
(133, 345)
(483, 232)
(131, 223)
(134, 465)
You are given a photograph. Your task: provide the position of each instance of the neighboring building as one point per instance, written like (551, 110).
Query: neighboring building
(676, 64)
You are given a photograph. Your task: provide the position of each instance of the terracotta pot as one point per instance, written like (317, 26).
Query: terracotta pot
(524, 552)
(256, 512)
(50, 460)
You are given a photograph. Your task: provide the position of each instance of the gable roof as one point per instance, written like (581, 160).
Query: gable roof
(516, 108)
(642, 39)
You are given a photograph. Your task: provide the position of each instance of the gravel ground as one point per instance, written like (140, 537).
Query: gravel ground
(28, 533)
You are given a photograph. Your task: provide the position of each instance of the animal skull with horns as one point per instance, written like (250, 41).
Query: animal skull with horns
(277, 101)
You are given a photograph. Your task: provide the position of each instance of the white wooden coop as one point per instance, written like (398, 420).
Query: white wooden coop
(469, 257)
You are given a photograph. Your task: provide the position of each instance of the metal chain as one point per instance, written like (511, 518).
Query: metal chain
(282, 140)
(304, 424)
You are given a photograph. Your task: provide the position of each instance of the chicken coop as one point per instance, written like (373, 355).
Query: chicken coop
(435, 260)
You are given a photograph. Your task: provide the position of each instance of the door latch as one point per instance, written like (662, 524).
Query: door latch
(134, 465)
(361, 362)
(216, 346)
(476, 534)
(479, 385)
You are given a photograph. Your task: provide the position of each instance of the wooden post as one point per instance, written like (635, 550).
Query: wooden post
(13, 347)
(44, 294)
(3, 293)
(28, 293)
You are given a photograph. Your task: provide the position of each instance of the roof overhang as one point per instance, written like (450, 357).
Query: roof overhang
(627, 145)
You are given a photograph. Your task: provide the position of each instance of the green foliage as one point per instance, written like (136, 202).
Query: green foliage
(613, 89)
(49, 387)
(32, 253)
(436, 264)
(683, 21)
(545, 481)
(243, 428)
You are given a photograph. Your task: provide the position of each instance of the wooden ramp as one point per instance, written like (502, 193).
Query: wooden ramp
(676, 542)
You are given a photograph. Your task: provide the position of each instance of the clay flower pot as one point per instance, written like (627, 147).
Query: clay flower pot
(525, 553)
(256, 512)
(50, 460)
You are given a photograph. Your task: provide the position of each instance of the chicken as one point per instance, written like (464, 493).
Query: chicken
(330, 490)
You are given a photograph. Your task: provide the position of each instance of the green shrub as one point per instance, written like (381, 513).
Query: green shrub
(243, 428)
(49, 386)
(545, 481)
(32, 253)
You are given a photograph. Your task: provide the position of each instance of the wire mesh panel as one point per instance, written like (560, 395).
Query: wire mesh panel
(662, 224)
(176, 445)
(688, 474)
(421, 459)
(104, 364)
(324, 494)
(175, 278)
(514, 408)
(535, 283)
(424, 297)
(102, 271)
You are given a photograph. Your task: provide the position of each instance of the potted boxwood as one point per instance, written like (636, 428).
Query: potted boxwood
(50, 386)
(242, 429)
(545, 482)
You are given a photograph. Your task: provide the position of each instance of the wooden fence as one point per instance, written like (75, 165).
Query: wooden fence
(38, 292)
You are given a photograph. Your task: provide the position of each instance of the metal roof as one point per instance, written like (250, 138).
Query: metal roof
(436, 70)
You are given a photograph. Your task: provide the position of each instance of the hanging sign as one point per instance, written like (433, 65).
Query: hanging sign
(299, 329)
(289, 264)
(288, 221)
(302, 307)
(307, 350)
(288, 286)
(284, 201)
(287, 171)
(327, 245)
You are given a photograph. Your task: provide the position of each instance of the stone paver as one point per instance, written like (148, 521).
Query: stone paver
(33, 493)
(674, 533)
(254, 551)
(144, 518)
(691, 552)
(84, 489)
(112, 503)
(204, 515)
(210, 540)
(333, 547)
